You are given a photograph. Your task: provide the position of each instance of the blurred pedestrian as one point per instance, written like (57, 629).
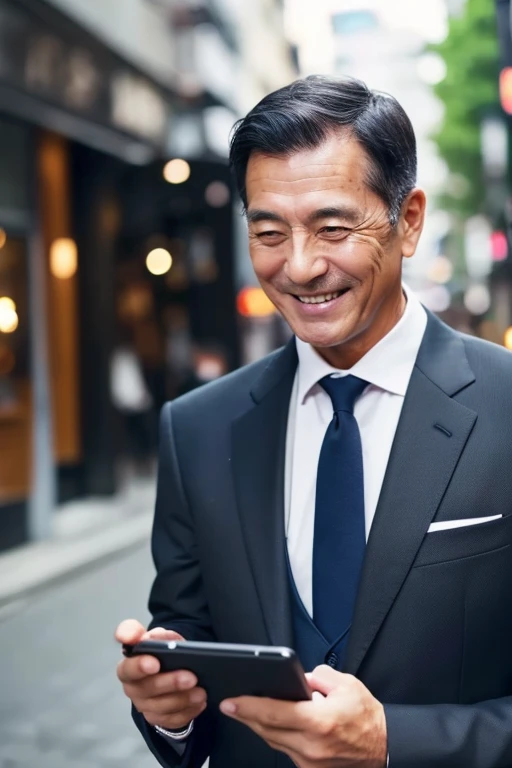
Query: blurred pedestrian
(349, 495)
(133, 401)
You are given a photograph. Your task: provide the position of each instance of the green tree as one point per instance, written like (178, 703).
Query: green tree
(469, 92)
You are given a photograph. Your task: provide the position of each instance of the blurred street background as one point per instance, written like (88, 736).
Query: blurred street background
(125, 281)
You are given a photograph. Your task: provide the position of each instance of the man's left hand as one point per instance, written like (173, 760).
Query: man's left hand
(343, 725)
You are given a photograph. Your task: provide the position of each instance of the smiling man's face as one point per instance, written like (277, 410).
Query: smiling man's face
(323, 247)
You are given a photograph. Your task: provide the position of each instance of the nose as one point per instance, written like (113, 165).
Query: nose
(304, 265)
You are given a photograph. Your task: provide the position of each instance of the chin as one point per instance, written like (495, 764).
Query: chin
(320, 339)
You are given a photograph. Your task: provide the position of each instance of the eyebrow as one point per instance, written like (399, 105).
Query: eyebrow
(257, 214)
(350, 215)
(335, 212)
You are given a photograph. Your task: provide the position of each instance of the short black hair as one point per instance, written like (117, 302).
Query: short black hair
(301, 115)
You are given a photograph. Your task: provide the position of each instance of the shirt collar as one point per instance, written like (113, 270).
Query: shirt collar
(388, 365)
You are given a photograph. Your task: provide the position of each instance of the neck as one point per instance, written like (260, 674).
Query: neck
(344, 356)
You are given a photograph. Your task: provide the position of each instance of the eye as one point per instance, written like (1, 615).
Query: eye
(338, 230)
(271, 236)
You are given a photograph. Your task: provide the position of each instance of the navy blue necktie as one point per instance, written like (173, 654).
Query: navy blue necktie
(339, 539)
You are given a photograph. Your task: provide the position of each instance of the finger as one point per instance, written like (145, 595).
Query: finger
(159, 633)
(267, 713)
(174, 704)
(324, 679)
(129, 631)
(177, 721)
(137, 668)
(164, 684)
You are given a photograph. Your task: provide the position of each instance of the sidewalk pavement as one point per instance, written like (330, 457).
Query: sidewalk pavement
(85, 532)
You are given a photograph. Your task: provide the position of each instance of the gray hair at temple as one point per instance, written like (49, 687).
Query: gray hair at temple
(302, 115)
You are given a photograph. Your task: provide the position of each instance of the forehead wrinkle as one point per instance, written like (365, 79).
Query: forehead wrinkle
(291, 193)
(293, 188)
(340, 206)
(335, 166)
(277, 179)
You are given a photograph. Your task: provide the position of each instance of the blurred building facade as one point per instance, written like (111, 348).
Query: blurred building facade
(105, 244)
(497, 163)
(363, 41)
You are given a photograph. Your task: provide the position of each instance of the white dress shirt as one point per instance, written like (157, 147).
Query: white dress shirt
(387, 367)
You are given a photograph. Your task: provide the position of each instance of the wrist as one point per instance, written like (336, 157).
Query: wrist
(382, 745)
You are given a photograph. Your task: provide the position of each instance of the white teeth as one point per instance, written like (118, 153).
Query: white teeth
(319, 299)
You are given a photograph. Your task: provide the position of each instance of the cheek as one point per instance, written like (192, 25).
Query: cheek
(363, 257)
(266, 263)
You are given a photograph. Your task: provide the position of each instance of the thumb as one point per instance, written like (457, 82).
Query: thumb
(129, 632)
(159, 633)
(324, 679)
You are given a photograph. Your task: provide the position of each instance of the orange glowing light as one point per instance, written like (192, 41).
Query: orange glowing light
(253, 302)
(63, 258)
(506, 89)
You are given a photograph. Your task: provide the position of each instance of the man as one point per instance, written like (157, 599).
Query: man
(349, 495)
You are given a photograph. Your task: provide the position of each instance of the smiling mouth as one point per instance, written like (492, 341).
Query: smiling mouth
(323, 298)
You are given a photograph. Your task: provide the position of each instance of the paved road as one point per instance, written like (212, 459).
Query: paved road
(60, 703)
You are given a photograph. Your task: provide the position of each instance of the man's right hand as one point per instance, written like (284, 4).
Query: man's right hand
(168, 699)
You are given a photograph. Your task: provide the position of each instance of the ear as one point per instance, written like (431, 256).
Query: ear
(411, 221)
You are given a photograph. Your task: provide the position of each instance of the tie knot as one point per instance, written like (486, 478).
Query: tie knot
(343, 391)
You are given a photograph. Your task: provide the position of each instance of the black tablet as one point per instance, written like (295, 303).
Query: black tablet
(227, 670)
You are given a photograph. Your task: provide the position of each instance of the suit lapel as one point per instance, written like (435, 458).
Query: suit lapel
(259, 446)
(431, 435)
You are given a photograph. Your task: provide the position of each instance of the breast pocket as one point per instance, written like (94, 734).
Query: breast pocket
(468, 541)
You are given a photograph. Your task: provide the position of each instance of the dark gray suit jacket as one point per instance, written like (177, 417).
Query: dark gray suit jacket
(432, 632)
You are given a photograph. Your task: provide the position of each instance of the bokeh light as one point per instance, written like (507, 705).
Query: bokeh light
(506, 89)
(177, 171)
(159, 261)
(431, 68)
(507, 338)
(499, 246)
(6, 303)
(3, 237)
(437, 298)
(217, 194)
(477, 299)
(63, 258)
(9, 320)
(440, 270)
(254, 302)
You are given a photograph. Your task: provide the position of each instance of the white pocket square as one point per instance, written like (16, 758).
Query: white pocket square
(449, 524)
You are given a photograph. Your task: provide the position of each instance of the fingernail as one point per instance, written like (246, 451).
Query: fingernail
(228, 707)
(186, 681)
